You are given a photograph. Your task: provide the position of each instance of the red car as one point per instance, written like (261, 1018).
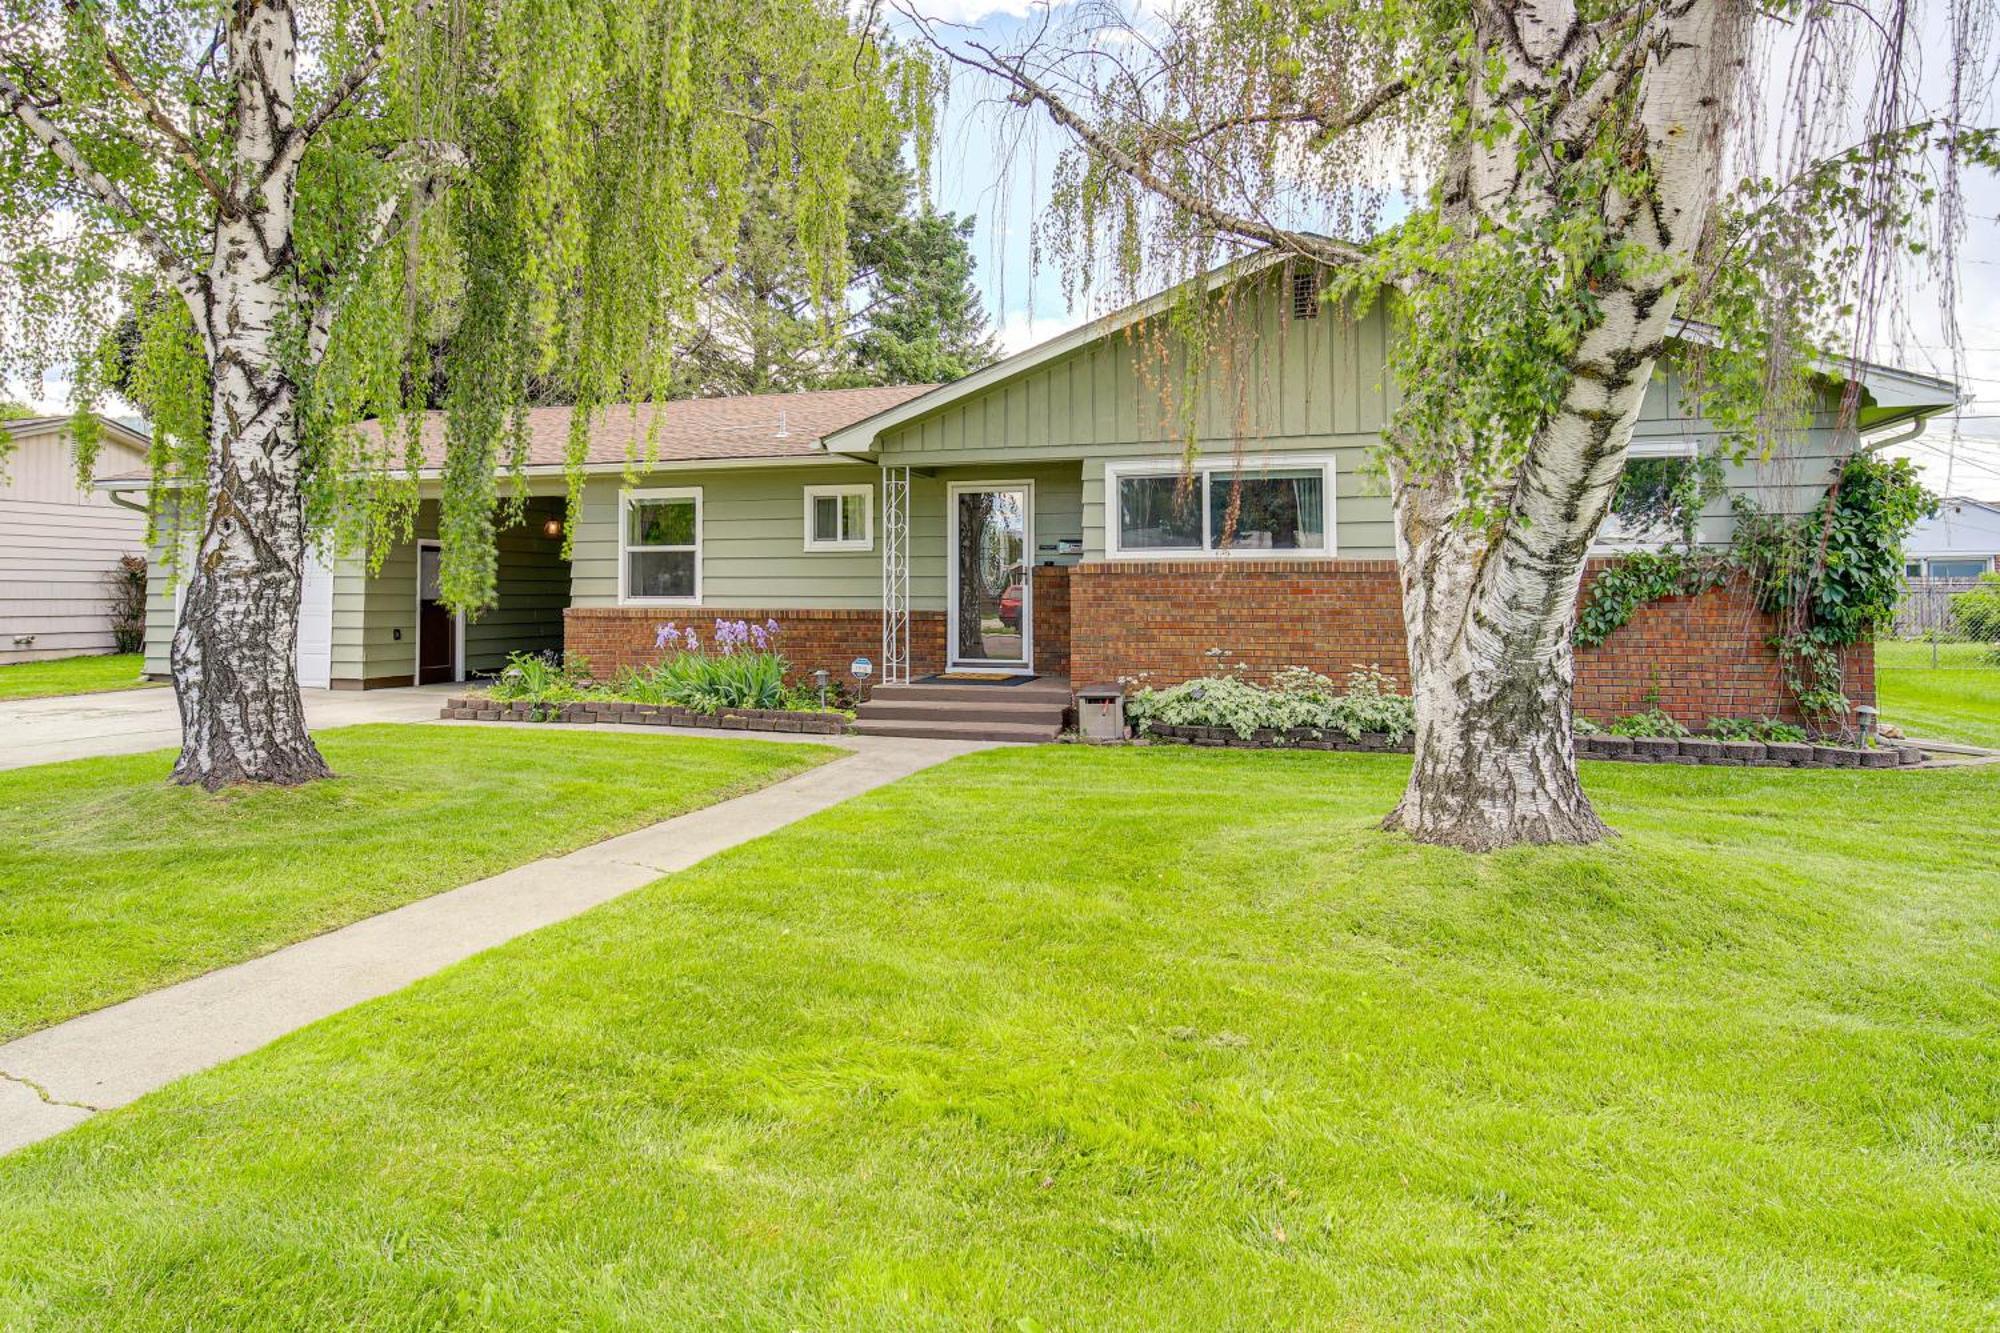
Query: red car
(1010, 606)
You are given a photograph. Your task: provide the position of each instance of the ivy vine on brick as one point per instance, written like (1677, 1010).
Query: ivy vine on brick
(1632, 580)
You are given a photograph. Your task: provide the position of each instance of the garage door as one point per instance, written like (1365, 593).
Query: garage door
(316, 623)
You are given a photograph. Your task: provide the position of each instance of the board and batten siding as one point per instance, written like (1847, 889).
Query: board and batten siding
(753, 533)
(60, 543)
(1281, 387)
(1285, 387)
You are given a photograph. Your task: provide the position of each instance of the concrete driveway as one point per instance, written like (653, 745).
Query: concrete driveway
(82, 726)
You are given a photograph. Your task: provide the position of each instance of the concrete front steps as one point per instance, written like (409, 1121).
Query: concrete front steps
(1029, 712)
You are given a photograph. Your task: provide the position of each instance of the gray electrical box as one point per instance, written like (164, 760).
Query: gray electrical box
(1100, 712)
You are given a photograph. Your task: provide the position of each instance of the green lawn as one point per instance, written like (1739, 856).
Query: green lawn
(73, 675)
(1959, 700)
(1068, 1038)
(113, 882)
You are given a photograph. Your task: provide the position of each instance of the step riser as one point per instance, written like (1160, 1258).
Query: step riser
(965, 731)
(1045, 695)
(1031, 715)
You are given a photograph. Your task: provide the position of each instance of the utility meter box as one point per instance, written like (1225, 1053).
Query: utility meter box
(1100, 712)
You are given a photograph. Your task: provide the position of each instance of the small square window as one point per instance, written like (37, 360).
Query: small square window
(840, 518)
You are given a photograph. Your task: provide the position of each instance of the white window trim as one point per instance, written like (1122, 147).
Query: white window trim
(866, 542)
(1173, 467)
(1613, 537)
(628, 498)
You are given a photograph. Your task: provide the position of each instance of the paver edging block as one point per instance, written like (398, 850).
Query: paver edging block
(649, 715)
(1705, 750)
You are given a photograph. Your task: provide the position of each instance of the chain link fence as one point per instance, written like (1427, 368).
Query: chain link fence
(1949, 623)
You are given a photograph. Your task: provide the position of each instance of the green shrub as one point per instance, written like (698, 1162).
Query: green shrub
(1767, 729)
(1975, 613)
(1297, 698)
(128, 604)
(1653, 722)
(542, 678)
(708, 683)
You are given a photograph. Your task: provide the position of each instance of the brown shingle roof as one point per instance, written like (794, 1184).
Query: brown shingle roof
(696, 428)
(692, 429)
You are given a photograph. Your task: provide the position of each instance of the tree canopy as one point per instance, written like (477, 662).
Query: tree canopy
(540, 188)
(911, 312)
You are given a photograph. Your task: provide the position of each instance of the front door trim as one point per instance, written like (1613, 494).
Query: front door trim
(457, 624)
(1026, 667)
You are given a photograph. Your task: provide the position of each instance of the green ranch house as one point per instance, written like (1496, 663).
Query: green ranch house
(1025, 521)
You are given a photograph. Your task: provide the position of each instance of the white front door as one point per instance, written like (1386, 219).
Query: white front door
(991, 548)
(315, 622)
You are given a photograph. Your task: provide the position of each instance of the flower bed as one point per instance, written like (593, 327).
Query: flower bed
(741, 686)
(474, 708)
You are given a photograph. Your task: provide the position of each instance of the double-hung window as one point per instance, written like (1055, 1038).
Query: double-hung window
(840, 518)
(660, 546)
(1284, 508)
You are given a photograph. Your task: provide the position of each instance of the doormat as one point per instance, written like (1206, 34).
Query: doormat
(975, 678)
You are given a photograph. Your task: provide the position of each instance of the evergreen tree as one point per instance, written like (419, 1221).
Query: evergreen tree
(910, 314)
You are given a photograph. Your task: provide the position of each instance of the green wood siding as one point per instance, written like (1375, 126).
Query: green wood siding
(753, 539)
(753, 533)
(1280, 386)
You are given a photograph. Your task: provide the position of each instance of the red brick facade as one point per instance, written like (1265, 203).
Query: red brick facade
(1698, 657)
(1051, 617)
(620, 636)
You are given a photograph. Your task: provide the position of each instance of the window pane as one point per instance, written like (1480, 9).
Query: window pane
(662, 523)
(1279, 511)
(1957, 569)
(429, 565)
(1154, 515)
(854, 517)
(660, 574)
(826, 518)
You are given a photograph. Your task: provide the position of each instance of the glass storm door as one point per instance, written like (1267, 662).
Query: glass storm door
(990, 585)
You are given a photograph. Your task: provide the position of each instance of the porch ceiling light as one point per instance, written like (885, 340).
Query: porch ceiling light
(552, 527)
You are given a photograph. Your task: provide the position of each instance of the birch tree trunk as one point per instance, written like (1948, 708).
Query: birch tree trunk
(1488, 612)
(235, 652)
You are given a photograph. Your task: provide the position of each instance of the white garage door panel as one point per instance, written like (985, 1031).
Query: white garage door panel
(315, 645)
(316, 623)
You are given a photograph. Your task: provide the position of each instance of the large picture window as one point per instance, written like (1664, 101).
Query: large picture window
(1221, 509)
(660, 546)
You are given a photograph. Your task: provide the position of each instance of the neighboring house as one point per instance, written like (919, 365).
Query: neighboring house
(1960, 543)
(61, 541)
(1034, 518)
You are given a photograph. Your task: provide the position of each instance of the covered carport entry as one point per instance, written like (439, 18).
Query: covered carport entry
(391, 628)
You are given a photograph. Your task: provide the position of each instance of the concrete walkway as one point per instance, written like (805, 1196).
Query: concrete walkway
(85, 726)
(60, 1076)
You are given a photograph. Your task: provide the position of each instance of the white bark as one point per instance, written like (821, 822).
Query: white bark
(234, 655)
(1488, 613)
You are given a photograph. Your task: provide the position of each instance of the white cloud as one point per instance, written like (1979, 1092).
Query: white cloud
(1018, 332)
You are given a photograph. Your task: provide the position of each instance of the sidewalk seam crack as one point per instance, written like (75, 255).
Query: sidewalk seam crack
(46, 1096)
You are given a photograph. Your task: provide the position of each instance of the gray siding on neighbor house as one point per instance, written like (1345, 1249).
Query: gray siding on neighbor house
(60, 543)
